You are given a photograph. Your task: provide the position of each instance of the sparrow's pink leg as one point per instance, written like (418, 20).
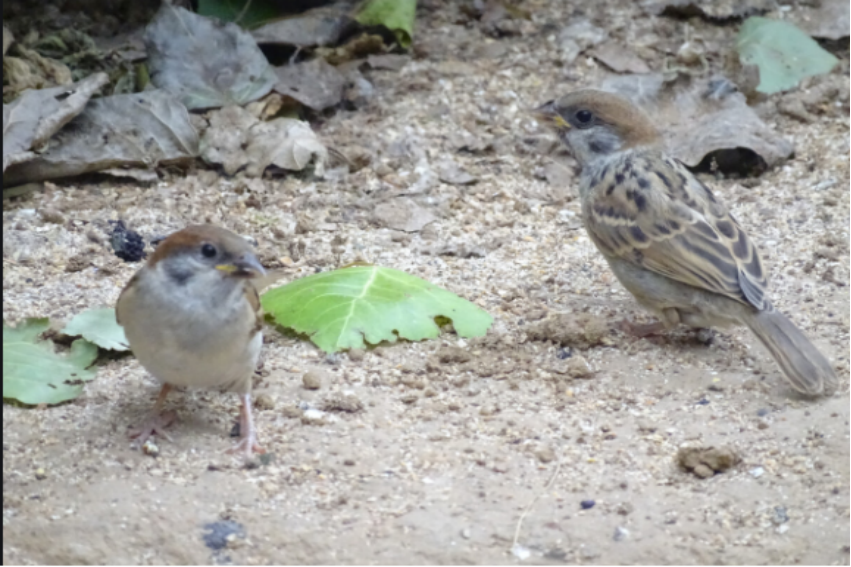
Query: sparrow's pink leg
(157, 420)
(247, 434)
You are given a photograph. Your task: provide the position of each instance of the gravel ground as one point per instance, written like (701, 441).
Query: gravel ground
(451, 450)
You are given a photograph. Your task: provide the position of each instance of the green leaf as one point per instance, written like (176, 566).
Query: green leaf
(32, 371)
(395, 15)
(253, 12)
(341, 309)
(783, 53)
(100, 327)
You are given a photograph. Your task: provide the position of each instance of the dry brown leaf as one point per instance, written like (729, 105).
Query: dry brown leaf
(137, 130)
(31, 119)
(315, 84)
(704, 116)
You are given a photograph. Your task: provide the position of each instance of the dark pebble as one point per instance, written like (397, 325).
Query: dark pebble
(763, 412)
(703, 402)
(563, 353)
(587, 504)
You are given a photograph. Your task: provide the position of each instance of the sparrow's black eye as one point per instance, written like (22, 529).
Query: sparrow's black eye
(584, 117)
(208, 250)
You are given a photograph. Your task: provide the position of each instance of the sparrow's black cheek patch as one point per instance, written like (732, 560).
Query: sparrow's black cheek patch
(177, 274)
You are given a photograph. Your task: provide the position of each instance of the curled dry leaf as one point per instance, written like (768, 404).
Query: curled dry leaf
(205, 62)
(237, 140)
(402, 214)
(710, 10)
(317, 27)
(31, 119)
(701, 117)
(134, 130)
(827, 19)
(315, 84)
(618, 58)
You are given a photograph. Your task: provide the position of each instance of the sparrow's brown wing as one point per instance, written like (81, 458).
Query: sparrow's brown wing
(651, 211)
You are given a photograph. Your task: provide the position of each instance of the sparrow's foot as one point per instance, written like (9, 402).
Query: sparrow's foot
(154, 424)
(247, 434)
(642, 330)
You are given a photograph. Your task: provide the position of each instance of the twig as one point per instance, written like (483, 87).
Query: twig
(532, 504)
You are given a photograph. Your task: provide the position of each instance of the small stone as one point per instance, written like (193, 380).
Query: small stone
(625, 509)
(620, 534)
(577, 367)
(291, 411)
(545, 455)
(150, 448)
(349, 462)
(52, 215)
(780, 516)
(587, 504)
(40, 474)
(356, 354)
(702, 471)
(313, 417)
(757, 472)
(312, 380)
(466, 533)
(347, 401)
(264, 402)
(409, 398)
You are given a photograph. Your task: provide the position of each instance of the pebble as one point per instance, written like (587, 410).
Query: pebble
(545, 455)
(587, 504)
(757, 472)
(577, 367)
(356, 355)
(264, 402)
(40, 474)
(780, 516)
(312, 380)
(620, 534)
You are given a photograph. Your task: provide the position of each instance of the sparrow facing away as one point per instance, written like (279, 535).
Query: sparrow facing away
(668, 240)
(192, 318)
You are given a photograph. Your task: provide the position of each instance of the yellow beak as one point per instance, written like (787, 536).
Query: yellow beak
(548, 115)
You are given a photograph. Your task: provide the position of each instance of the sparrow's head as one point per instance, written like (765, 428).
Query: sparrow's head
(595, 124)
(205, 252)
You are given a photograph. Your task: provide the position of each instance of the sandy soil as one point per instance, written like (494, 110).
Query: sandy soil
(456, 440)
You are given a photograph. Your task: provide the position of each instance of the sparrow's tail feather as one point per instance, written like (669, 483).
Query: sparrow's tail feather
(804, 366)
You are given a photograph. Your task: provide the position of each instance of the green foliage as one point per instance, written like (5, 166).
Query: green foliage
(100, 327)
(783, 53)
(342, 308)
(253, 13)
(395, 15)
(32, 371)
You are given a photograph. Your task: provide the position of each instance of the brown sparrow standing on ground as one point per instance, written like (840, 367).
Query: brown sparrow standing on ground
(192, 318)
(668, 240)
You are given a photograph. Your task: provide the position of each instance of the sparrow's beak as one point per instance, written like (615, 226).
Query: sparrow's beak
(246, 266)
(547, 115)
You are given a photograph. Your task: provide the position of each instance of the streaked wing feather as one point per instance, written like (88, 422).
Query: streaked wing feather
(670, 223)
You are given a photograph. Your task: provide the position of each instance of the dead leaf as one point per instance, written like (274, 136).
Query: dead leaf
(237, 140)
(137, 130)
(619, 59)
(579, 36)
(206, 63)
(31, 119)
(315, 84)
(317, 27)
(402, 214)
(450, 172)
(708, 9)
(828, 19)
(704, 116)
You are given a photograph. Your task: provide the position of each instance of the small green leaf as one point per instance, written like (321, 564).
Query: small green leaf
(100, 327)
(32, 371)
(783, 53)
(342, 308)
(251, 13)
(395, 15)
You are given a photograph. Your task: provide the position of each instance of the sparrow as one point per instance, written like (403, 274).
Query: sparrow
(667, 238)
(193, 318)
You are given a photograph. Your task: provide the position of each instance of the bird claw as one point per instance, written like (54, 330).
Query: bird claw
(247, 446)
(154, 424)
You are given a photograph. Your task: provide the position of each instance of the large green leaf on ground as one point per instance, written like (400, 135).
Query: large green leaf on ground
(33, 373)
(343, 308)
(100, 327)
(783, 53)
(247, 13)
(395, 15)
